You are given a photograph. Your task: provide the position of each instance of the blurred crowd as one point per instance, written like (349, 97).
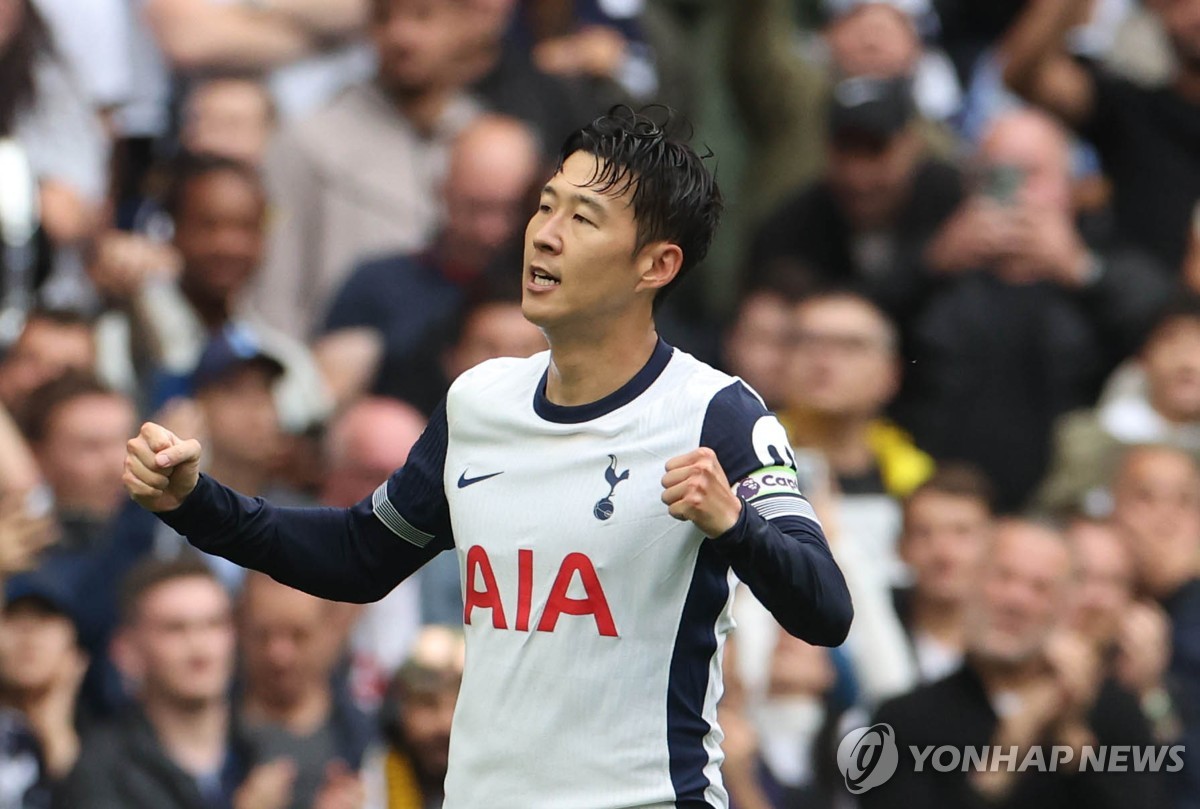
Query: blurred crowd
(961, 261)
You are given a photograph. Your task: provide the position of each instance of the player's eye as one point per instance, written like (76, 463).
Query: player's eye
(584, 220)
(543, 208)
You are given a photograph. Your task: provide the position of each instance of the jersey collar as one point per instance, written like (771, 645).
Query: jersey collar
(576, 414)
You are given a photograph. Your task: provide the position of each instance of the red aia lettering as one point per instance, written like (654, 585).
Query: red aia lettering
(487, 598)
(594, 603)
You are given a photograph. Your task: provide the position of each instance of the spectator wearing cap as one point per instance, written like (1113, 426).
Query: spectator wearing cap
(867, 221)
(783, 93)
(409, 771)
(41, 669)
(219, 211)
(1024, 317)
(1159, 405)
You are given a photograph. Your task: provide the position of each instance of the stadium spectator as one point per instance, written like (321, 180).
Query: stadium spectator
(55, 166)
(1025, 681)
(228, 116)
(360, 176)
(41, 669)
(51, 343)
(844, 369)
(781, 695)
(947, 527)
(867, 221)
(1133, 636)
(288, 707)
(784, 93)
(383, 328)
(1156, 504)
(497, 61)
(77, 429)
(175, 747)
(364, 444)
(308, 50)
(219, 210)
(1144, 134)
(1163, 408)
(493, 327)
(1027, 318)
(758, 342)
(841, 370)
(410, 770)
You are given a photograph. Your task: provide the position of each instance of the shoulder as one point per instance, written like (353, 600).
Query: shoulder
(495, 380)
(746, 436)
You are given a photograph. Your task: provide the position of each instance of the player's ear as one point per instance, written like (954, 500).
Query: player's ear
(658, 264)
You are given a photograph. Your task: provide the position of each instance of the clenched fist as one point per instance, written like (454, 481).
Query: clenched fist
(161, 469)
(696, 489)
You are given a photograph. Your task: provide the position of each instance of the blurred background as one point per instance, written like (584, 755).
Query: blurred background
(960, 259)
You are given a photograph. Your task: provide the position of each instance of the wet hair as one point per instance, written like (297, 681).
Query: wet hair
(18, 65)
(190, 168)
(675, 196)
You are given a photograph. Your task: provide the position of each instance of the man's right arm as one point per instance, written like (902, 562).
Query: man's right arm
(1036, 66)
(358, 554)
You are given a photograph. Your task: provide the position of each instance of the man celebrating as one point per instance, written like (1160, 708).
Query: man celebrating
(596, 588)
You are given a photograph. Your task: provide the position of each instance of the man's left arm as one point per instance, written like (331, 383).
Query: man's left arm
(763, 526)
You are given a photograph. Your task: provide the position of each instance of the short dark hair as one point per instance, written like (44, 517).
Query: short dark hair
(827, 292)
(675, 196)
(189, 168)
(956, 479)
(1184, 305)
(45, 401)
(150, 574)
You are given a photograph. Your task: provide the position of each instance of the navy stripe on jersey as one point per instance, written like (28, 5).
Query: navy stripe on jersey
(695, 645)
(779, 551)
(577, 414)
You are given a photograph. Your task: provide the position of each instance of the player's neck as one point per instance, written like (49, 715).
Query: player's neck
(584, 368)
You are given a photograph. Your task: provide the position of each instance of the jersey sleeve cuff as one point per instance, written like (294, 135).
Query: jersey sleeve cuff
(196, 512)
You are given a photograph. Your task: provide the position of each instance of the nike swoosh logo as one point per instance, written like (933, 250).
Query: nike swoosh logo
(464, 481)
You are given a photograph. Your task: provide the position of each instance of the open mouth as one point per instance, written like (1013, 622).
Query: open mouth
(541, 278)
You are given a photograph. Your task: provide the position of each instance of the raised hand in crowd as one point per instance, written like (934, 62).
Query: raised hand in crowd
(268, 786)
(342, 789)
(25, 531)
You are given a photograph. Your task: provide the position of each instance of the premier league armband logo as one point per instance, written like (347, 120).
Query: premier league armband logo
(748, 488)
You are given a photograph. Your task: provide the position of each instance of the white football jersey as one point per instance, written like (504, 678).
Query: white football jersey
(594, 620)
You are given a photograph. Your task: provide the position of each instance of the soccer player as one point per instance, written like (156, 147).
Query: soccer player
(597, 495)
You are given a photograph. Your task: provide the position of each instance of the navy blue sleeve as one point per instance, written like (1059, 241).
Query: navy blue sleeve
(777, 546)
(357, 554)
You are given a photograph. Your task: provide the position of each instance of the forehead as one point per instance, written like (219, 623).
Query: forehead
(845, 315)
(1034, 551)
(586, 174)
